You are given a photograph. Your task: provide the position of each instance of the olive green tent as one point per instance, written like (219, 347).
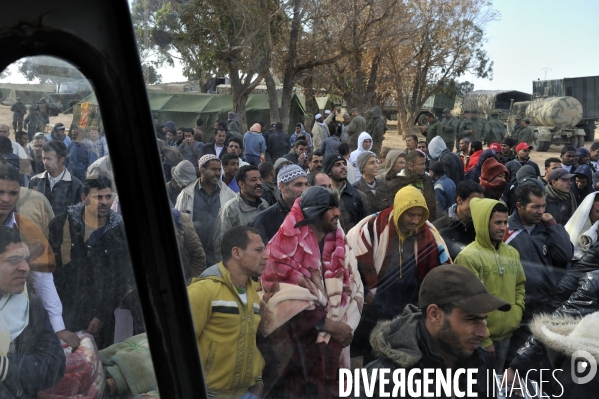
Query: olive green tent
(28, 93)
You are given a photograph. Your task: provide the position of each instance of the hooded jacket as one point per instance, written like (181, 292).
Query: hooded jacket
(353, 158)
(389, 163)
(452, 164)
(499, 269)
(355, 127)
(583, 170)
(226, 332)
(422, 183)
(404, 343)
(378, 124)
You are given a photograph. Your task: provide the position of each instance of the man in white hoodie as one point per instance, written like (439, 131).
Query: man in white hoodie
(364, 144)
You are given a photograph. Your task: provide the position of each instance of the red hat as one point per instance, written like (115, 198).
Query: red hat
(523, 146)
(492, 168)
(495, 146)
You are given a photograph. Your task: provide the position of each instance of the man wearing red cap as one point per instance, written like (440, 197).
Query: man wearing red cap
(522, 158)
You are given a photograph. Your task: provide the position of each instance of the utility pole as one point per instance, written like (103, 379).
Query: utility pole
(546, 69)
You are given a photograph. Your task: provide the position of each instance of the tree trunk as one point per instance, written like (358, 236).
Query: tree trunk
(273, 102)
(239, 98)
(290, 71)
(311, 105)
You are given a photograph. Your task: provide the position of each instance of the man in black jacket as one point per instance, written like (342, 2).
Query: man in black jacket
(217, 146)
(278, 143)
(93, 268)
(352, 202)
(444, 333)
(56, 183)
(545, 249)
(292, 181)
(32, 359)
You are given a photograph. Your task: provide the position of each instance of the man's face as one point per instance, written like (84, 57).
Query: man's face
(323, 180)
(533, 211)
(464, 146)
(232, 168)
(231, 116)
(292, 190)
(569, 158)
(462, 332)
(552, 166)
(581, 182)
(169, 136)
(253, 258)
(298, 129)
(595, 154)
(499, 177)
(9, 194)
(422, 147)
(94, 134)
(430, 119)
(366, 144)
(61, 133)
(74, 134)
(98, 202)
(506, 149)
(4, 131)
(252, 186)
(584, 160)
(524, 154)
(315, 163)
(410, 219)
(474, 117)
(497, 226)
(51, 161)
(37, 147)
(338, 171)
(14, 268)
(562, 184)
(300, 149)
(411, 143)
(594, 213)
(189, 137)
(23, 140)
(210, 173)
(371, 168)
(418, 167)
(220, 137)
(329, 221)
(233, 148)
(464, 205)
(400, 163)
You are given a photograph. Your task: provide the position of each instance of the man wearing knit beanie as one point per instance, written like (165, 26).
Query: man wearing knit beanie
(254, 145)
(493, 178)
(292, 182)
(377, 192)
(353, 202)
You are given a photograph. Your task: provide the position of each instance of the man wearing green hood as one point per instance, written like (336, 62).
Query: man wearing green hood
(498, 266)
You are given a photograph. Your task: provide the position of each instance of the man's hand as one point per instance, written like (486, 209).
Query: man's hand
(256, 390)
(94, 326)
(491, 350)
(340, 332)
(70, 338)
(546, 217)
(369, 299)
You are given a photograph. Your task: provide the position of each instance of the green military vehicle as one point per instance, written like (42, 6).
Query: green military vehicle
(435, 104)
(67, 95)
(487, 101)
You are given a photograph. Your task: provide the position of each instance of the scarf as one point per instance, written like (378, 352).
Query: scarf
(495, 189)
(14, 317)
(561, 197)
(296, 278)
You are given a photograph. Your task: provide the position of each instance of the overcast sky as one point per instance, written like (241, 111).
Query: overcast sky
(530, 35)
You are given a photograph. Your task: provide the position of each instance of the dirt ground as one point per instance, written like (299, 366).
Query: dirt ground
(395, 141)
(6, 119)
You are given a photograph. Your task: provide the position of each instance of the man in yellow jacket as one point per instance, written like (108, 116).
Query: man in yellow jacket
(498, 266)
(226, 313)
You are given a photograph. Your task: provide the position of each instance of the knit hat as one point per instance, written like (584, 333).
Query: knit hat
(282, 161)
(289, 173)
(363, 159)
(317, 116)
(184, 173)
(509, 141)
(207, 158)
(170, 124)
(314, 202)
(329, 161)
(492, 168)
(256, 128)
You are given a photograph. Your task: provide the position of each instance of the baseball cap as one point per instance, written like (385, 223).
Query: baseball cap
(457, 285)
(495, 146)
(560, 173)
(523, 146)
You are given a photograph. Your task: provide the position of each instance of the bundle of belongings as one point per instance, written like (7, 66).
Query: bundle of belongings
(129, 369)
(84, 374)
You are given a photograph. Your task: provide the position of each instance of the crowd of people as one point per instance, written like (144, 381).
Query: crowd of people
(307, 253)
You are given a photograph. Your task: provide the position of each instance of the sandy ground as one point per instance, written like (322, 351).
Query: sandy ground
(395, 141)
(6, 119)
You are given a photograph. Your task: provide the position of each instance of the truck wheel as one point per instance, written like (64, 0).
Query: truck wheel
(543, 146)
(590, 131)
(577, 141)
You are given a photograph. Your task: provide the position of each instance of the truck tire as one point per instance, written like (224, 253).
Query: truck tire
(577, 141)
(590, 131)
(543, 146)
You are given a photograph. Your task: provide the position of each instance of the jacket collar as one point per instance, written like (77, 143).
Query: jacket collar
(515, 223)
(76, 214)
(66, 177)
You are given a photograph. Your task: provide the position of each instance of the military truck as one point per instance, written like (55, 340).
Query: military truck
(584, 89)
(435, 104)
(68, 94)
(554, 120)
(487, 101)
